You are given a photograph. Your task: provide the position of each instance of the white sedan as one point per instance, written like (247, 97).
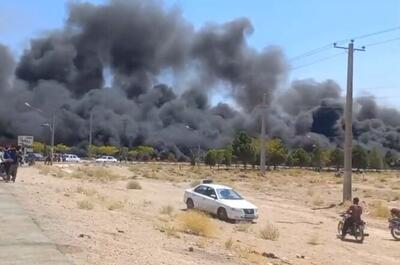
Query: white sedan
(71, 158)
(106, 159)
(221, 200)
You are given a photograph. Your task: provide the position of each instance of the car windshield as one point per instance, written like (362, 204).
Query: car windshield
(228, 194)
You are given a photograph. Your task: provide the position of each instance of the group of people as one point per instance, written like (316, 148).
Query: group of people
(9, 162)
(355, 212)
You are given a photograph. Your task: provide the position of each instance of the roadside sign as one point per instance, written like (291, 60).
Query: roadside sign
(25, 140)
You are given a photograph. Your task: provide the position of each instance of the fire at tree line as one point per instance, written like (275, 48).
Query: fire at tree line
(245, 150)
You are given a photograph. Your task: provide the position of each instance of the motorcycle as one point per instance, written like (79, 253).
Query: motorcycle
(356, 230)
(394, 224)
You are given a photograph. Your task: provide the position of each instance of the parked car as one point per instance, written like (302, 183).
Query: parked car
(220, 200)
(34, 157)
(71, 158)
(106, 159)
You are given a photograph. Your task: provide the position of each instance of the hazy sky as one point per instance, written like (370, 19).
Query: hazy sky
(297, 26)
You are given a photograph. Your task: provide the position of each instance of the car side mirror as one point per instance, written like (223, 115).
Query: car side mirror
(213, 196)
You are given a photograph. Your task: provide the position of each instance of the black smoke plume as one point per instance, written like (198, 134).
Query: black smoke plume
(147, 75)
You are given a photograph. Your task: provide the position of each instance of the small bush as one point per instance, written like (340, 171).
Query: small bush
(115, 205)
(133, 185)
(169, 230)
(87, 192)
(85, 205)
(97, 173)
(196, 223)
(229, 243)
(269, 232)
(168, 210)
(379, 209)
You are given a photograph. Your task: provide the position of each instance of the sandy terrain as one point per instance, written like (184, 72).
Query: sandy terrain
(126, 226)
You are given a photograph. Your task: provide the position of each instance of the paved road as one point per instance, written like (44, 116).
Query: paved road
(21, 240)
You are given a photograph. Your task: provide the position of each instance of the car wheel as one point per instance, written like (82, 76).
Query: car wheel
(222, 215)
(189, 204)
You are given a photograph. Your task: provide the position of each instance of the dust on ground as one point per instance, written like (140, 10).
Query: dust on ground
(90, 213)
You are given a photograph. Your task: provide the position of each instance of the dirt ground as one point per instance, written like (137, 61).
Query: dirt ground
(90, 214)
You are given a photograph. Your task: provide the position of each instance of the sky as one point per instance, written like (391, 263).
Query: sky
(295, 26)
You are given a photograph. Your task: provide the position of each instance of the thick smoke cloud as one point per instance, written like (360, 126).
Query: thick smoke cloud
(112, 60)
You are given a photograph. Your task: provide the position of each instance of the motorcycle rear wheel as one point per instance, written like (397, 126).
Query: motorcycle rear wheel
(359, 234)
(395, 231)
(340, 228)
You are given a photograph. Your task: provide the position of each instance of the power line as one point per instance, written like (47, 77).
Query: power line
(317, 61)
(382, 42)
(327, 46)
(312, 52)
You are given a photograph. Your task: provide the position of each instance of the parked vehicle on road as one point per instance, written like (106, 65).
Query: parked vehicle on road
(106, 159)
(221, 201)
(71, 158)
(356, 230)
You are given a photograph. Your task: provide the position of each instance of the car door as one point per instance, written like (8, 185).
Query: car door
(211, 202)
(199, 197)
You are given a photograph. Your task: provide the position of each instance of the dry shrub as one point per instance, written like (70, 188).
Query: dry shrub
(196, 223)
(87, 192)
(167, 209)
(133, 185)
(250, 254)
(96, 173)
(54, 171)
(229, 243)
(85, 205)
(269, 232)
(379, 209)
(115, 205)
(169, 230)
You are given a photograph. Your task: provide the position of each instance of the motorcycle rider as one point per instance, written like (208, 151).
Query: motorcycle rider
(355, 212)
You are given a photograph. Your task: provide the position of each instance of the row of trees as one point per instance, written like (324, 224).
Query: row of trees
(246, 150)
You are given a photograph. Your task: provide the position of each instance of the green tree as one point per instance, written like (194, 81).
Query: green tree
(38, 147)
(211, 158)
(375, 159)
(107, 150)
(336, 158)
(61, 148)
(276, 152)
(316, 157)
(144, 152)
(227, 156)
(300, 158)
(123, 153)
(390, 159)
(243, 149)
(360, 159)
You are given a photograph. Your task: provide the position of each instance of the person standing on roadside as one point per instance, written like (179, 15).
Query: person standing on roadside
(11, 163)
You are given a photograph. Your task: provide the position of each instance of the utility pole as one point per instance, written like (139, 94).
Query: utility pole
(347, 178)
(53, 130)
(90, 134)
(262, 151)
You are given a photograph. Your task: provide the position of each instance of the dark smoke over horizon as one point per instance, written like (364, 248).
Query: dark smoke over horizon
(114, 59)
